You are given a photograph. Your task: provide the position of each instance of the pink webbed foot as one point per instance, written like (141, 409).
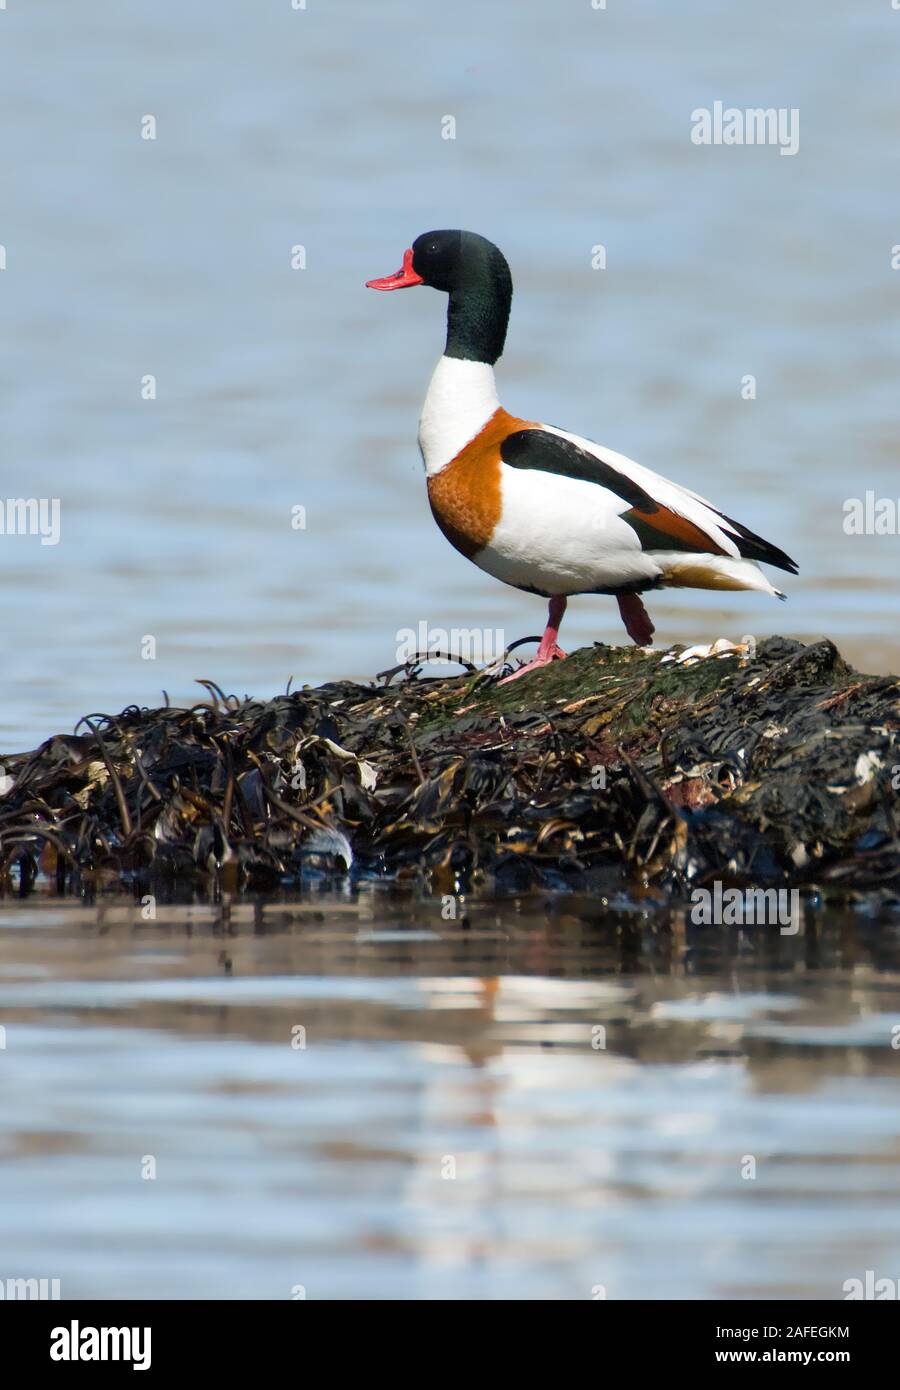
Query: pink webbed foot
(555, 654)
(549, 650)
(636, 619)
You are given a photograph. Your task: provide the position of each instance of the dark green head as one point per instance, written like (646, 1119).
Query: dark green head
(476, 276)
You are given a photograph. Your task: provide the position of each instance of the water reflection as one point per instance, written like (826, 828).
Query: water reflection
(353, 1095)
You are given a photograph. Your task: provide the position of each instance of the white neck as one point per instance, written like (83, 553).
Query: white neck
(461, 398)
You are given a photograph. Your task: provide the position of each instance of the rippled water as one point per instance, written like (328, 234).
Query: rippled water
(280, 388)
(547, 1098)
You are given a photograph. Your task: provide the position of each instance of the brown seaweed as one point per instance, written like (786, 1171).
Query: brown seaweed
(776, 767)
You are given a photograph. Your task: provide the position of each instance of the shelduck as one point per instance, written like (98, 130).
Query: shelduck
(541, 509)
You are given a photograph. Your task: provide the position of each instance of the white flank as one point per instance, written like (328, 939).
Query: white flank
(563, 536)
(461, 398)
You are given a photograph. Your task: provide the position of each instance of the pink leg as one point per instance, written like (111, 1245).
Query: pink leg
(548, 650)
(636, 619)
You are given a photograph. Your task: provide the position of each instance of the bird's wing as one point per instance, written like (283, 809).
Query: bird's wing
(664, 515)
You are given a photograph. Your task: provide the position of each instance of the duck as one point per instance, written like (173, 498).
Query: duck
(543, 510)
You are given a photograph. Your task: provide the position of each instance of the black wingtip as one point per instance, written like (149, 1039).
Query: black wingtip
(753, 547)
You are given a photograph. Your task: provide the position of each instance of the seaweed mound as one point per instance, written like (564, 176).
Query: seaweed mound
(777, 765)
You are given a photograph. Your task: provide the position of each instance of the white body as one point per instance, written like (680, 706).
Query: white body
(560, 535)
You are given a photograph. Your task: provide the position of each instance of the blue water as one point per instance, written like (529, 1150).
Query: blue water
(527, 1109)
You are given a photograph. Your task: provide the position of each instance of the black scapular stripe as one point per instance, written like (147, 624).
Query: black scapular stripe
(550, 454)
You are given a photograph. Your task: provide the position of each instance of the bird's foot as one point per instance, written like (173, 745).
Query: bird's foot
(636, 619)
(543, 658)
